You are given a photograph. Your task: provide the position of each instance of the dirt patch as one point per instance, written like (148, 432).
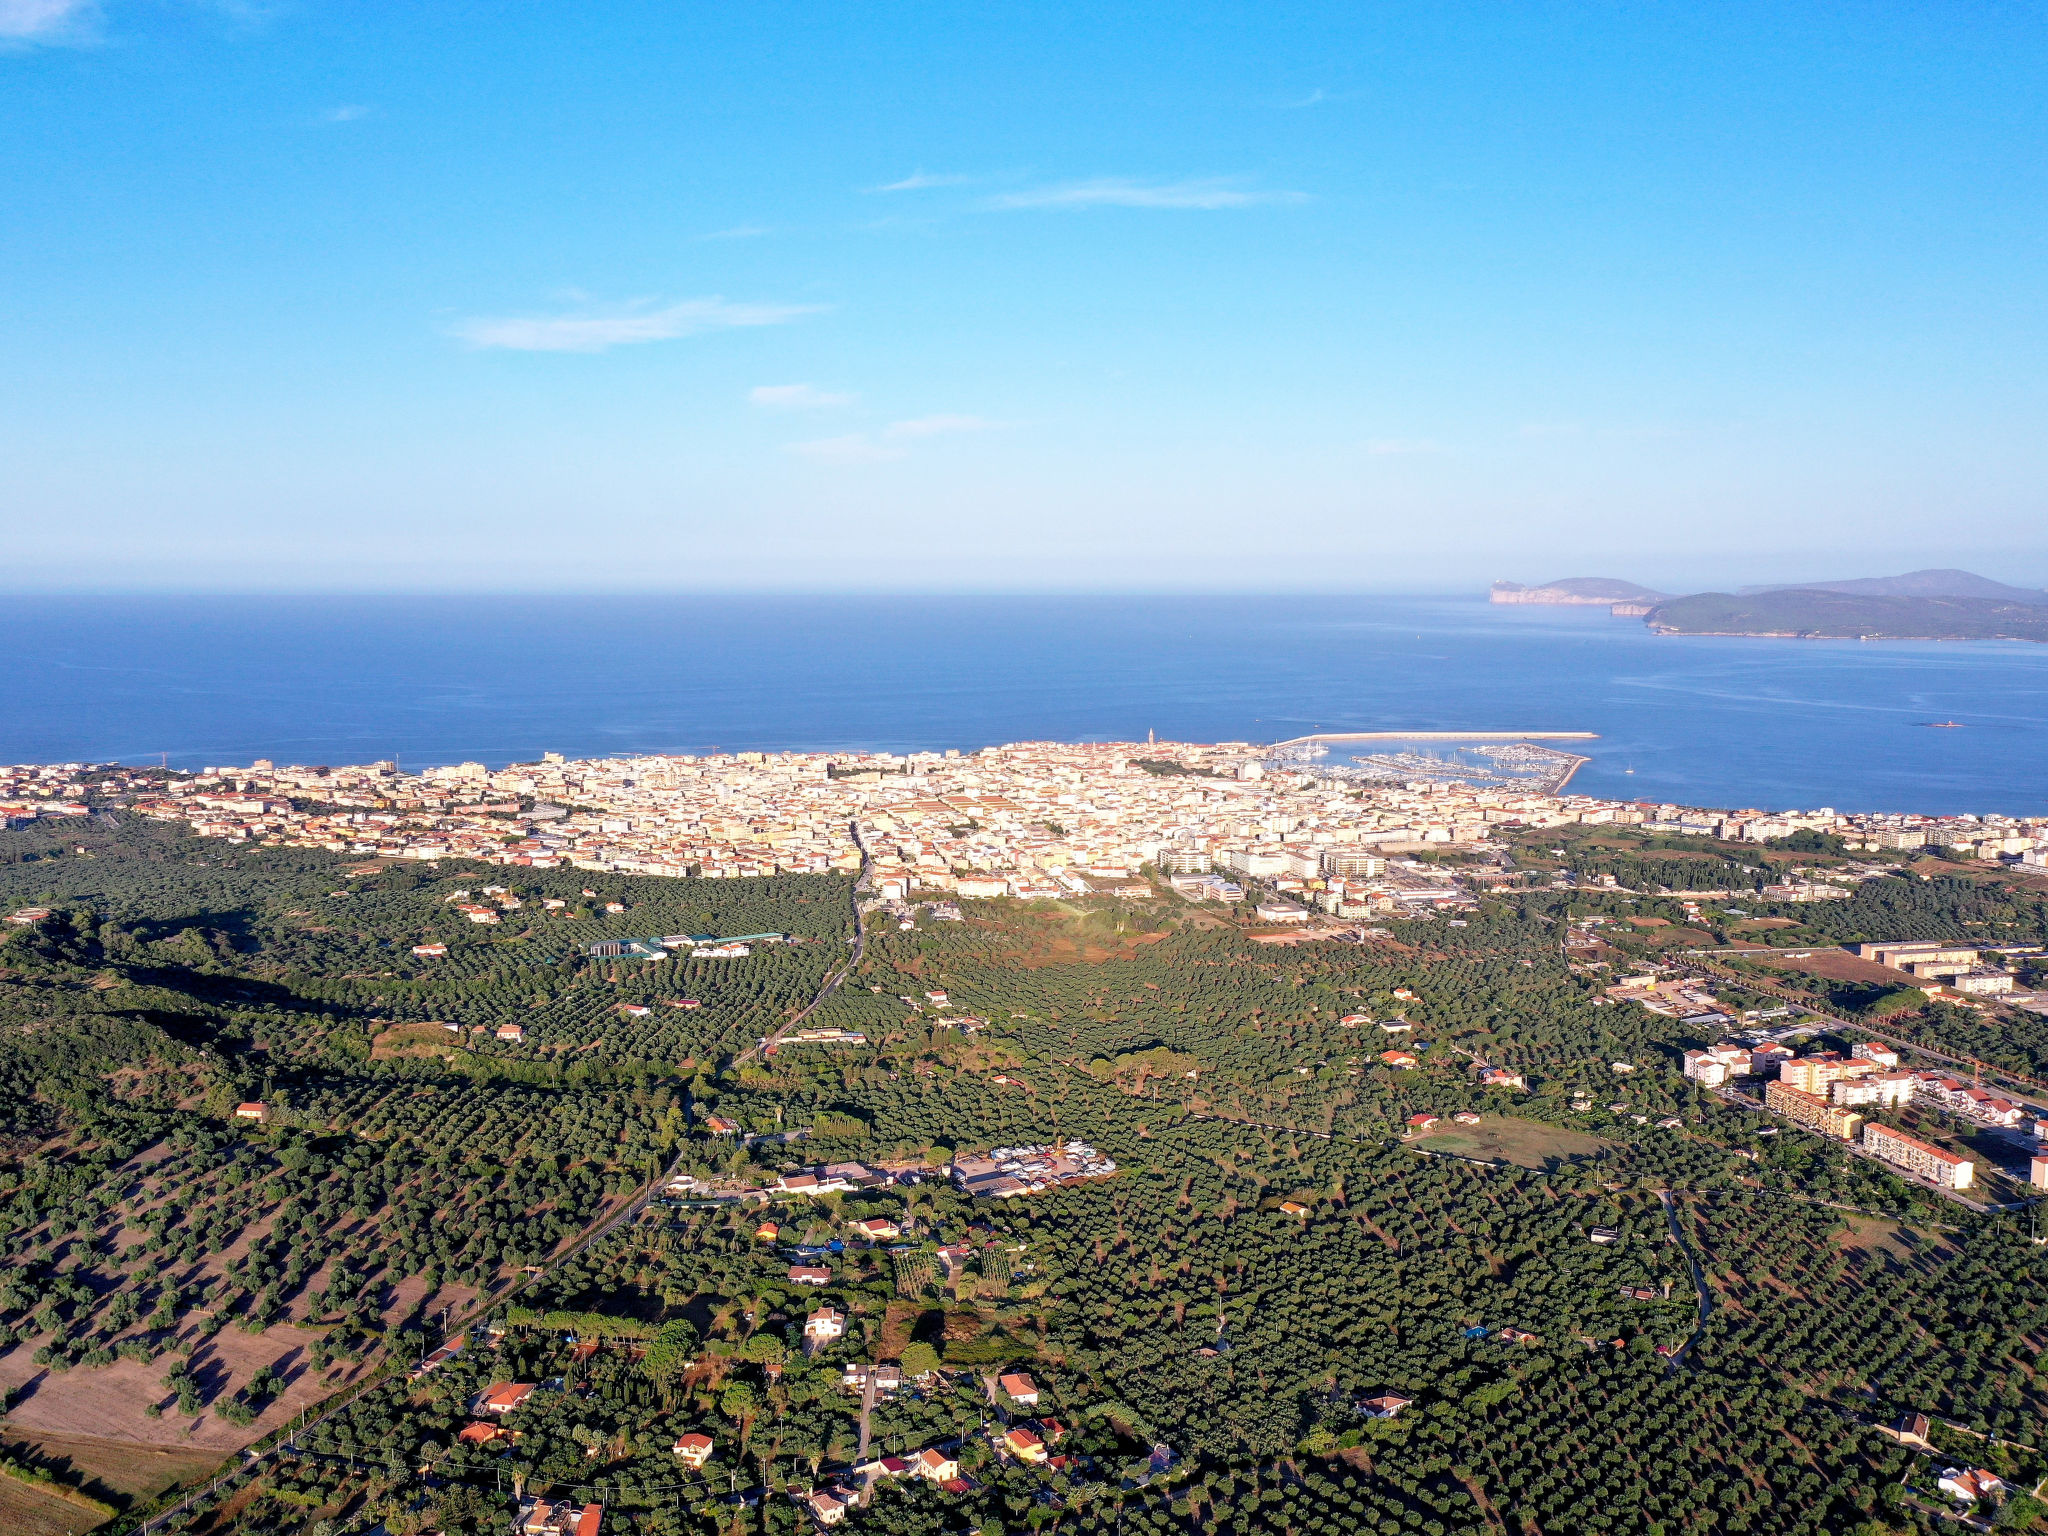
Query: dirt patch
(1686, 938)
(899, 1325)
(1507, 1138)
(140, 1471)
(1065, 951)
(1873, 1234)
(1769, 922)
(1649, 922)
(106, 1403)
(1838, 965)
(411, 1040)
(25, 1512)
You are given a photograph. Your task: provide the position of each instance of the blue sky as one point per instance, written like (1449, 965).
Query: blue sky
(724, 297)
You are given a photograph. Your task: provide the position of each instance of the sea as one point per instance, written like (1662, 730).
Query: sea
(1711, 721)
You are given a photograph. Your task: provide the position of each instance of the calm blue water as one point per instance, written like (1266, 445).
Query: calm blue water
(336, 680)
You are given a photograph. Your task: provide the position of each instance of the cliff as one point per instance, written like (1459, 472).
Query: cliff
(1589, 591)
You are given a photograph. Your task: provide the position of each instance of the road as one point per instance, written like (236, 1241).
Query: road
(1716, 972)
(604, 1227)
(1854, 1149)
(832, 981)
(1699, 1279)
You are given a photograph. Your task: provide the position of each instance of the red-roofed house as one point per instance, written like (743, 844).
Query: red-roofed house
(548, 1517)
(1020, 1388)
(501, 1397)
(1024, 1445)
(1968, 1486)
(693, 1449)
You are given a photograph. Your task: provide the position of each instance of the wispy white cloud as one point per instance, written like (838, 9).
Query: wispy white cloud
(888, 444)
(737, 232)
(353, 112)
(1317, 98)
(797, 397)
(1391, 445)
(1122, 192)
(600, 330)
(919, 180)
(48, 21)
(851, 448)
(934, 426)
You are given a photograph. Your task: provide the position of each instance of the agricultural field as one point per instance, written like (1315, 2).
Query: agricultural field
(248, 1167)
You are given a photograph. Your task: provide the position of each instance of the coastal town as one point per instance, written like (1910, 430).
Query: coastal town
(826, 1245)
(1028, 820)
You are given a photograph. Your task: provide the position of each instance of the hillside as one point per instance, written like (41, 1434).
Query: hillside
(1574, 590)
(1812, 613)
(1931, 583)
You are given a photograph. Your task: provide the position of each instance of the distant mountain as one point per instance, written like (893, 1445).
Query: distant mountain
(1942, 583)
(1573, 590)
(1825, 613)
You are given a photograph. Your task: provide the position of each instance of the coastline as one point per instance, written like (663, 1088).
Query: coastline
(1441, 736)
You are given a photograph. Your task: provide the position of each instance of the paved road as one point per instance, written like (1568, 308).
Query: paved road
(1970, 1063)
(832, 981)
(1699, 1279)
(1855, 1149)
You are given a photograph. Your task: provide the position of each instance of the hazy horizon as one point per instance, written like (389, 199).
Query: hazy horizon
(1475, 588)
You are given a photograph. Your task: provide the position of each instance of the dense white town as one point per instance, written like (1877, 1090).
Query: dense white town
(1029, 819)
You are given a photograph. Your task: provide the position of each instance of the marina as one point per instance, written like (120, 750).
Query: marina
(1482, 759)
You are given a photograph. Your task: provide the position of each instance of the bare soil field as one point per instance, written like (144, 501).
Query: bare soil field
(427, 1039)
(1840, 965)
(1507, 1138)
(24, 1512)
(107, 1403)
(1874, 1234)
(119, 1465)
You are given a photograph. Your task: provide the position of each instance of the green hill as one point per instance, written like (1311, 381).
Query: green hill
(1811, 613)
(1931, 583)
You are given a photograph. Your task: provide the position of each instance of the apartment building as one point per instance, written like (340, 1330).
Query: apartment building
(1812, 1074)
(1887, 1090)
(1966, 1099)
(1716, 1064)
(1920, 958)
(1812, 1111)
(1916, 1156)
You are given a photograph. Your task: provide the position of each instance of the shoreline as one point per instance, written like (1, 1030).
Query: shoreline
(1441, 736)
